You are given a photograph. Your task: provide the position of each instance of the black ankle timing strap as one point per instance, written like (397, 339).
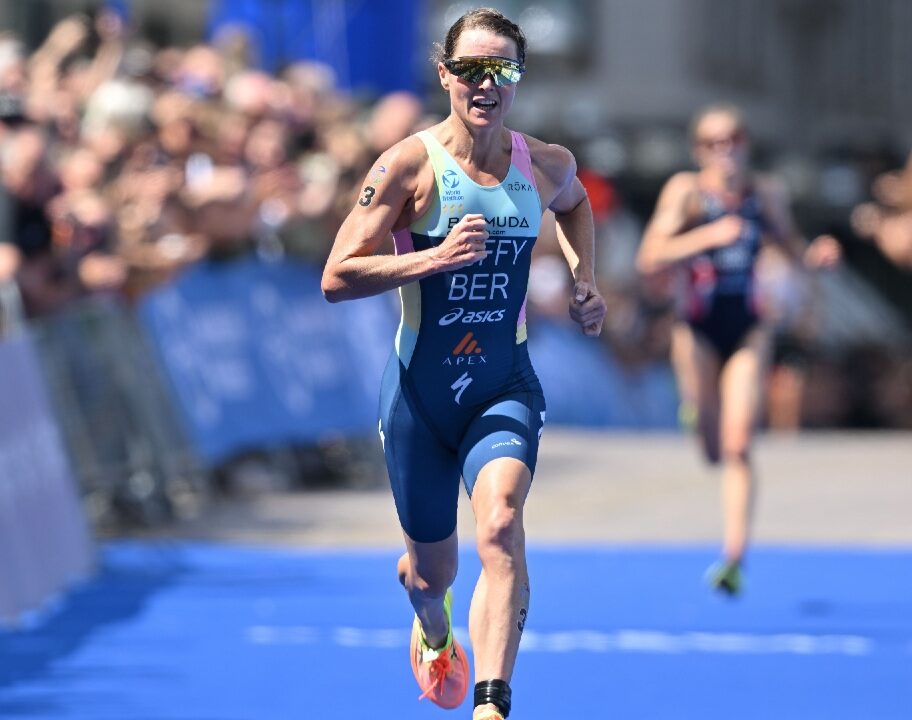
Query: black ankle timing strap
(495, 692)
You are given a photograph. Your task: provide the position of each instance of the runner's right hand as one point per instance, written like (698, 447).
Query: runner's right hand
(726, 230)
(464, 245)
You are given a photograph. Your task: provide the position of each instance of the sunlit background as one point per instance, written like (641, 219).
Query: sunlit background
(172, 176)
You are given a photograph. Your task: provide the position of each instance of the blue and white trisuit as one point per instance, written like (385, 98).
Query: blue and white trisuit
(459, 389)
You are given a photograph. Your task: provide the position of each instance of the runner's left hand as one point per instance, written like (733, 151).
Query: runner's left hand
(587, 307)
(823, 253)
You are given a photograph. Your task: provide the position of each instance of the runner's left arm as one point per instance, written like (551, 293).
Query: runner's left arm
(823, 252)
(576, 235)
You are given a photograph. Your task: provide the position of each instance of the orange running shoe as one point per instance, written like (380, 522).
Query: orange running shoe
(442, 674)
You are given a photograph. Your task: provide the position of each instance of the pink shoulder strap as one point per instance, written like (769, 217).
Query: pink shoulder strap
(521, 157)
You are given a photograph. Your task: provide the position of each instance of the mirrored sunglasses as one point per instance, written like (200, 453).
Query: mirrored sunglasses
(503, 70)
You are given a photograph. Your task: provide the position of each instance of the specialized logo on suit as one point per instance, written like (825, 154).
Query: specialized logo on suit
(460, 385)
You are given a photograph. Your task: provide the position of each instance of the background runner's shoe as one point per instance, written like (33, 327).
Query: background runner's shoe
(442, 674)
(725, 577)
(688, 416)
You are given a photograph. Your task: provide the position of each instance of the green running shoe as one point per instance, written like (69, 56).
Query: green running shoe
(687, 416)
(725, 577)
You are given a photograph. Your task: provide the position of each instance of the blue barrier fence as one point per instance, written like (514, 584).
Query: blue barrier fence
(257, 358)
(585, 386)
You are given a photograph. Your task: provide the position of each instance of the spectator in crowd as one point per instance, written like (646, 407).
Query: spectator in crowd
(393, 118)
(28, 184)
(887, 220)
(222, 210)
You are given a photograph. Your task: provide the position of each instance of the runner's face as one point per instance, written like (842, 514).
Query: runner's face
(721, 143)
(481, 103)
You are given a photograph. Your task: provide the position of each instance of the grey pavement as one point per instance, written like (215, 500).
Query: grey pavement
(606, 487)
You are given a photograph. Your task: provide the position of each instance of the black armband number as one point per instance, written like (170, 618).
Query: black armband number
(369, 193)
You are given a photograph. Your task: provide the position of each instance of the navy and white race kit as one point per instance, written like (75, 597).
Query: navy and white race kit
(721, 303)
(459, 389)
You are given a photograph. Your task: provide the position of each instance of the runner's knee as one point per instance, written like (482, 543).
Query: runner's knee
(433, 586)
(499, 532)
(429, 580)
(736, 450)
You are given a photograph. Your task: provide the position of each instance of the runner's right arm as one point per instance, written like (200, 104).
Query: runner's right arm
(353, 270)
(665, 241)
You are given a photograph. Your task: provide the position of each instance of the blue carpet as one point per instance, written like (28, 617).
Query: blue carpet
(212, 632)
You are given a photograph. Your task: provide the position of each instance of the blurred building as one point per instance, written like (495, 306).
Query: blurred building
(812, 73)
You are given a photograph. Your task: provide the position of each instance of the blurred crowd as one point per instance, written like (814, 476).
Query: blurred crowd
(122, 162)
(887, 219)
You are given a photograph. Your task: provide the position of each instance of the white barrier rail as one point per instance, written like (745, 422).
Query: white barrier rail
(45, 543)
